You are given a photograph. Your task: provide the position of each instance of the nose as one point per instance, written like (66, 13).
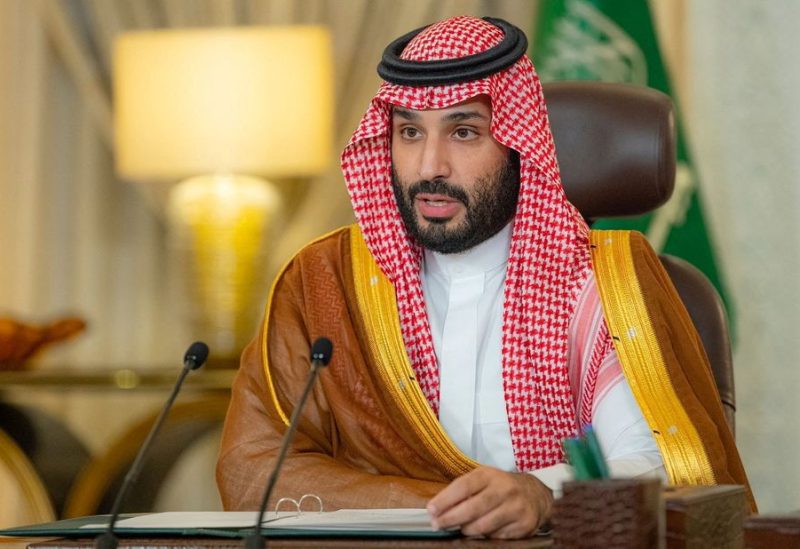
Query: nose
(435, 160)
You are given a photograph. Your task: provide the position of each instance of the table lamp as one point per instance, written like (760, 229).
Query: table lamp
(217, 111)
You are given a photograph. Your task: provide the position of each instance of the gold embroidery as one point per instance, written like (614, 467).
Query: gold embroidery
(685, 456)
(377, 305)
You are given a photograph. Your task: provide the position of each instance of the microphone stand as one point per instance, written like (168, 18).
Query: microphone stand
(320, 356)
(194, 358)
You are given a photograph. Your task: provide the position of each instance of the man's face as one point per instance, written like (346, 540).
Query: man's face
(455, 185)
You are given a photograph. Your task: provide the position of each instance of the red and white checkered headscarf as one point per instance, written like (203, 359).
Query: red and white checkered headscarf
(549, 257)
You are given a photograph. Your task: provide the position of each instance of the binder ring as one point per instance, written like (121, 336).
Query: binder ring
(298, 504)
(286, 500)
(310, 496)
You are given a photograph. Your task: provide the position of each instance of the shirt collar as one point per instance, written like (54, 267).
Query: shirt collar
(486, 256)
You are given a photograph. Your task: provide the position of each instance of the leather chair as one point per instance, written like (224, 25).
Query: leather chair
(616, 148)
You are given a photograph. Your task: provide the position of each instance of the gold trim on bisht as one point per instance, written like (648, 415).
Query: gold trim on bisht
(685, 457)
(265, 329)
(378, 307)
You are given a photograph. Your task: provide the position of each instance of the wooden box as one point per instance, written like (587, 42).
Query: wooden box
(768, 531)
(705, 516)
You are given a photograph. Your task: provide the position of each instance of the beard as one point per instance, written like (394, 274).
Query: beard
(489, 208)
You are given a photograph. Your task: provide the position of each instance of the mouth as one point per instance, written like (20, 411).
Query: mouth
(434, 206)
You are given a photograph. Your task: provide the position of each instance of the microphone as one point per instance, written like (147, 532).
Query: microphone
(195, 356)
(321, 352)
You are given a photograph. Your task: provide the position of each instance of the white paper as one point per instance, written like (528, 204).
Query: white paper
(187, 519)
(396, 520)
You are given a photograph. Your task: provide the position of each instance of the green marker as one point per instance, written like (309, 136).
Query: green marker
(595, 453)
(576, 454)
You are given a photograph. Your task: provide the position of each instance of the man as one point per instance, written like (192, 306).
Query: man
(476, 321)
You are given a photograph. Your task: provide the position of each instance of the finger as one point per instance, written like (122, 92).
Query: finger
(515, 515)
(487, 523)
(457, 491)
(514, 530)
(513, 519)
(471, 509)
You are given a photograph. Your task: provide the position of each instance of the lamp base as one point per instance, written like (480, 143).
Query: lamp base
(220, 228)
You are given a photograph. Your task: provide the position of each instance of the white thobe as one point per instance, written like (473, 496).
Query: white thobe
(464, 299)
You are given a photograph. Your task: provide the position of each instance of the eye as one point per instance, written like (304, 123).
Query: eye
(409, 132)
(465, 133)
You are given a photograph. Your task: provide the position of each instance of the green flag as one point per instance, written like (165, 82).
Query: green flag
(615, 41)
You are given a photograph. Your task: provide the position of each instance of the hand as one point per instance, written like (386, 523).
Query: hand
(493, 503)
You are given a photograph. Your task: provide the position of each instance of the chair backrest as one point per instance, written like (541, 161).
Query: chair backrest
(707, 310)
(616, 149)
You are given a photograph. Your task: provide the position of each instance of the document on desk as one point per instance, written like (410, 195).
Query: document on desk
(344, 519)
(351, 520)
(389, 523)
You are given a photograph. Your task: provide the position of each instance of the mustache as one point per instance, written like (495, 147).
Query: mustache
(438, 186)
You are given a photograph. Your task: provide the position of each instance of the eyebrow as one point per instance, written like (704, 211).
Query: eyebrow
(402, 113)
(456, 116)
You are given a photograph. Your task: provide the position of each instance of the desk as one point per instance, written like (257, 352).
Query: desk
(307, 543)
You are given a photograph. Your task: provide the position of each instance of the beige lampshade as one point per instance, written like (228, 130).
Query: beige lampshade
(246, 100)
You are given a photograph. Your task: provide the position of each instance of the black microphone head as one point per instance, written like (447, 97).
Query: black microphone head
(322, 350)
(196, 355)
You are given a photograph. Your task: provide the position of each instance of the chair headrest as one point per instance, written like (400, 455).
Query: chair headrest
(615, 145)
